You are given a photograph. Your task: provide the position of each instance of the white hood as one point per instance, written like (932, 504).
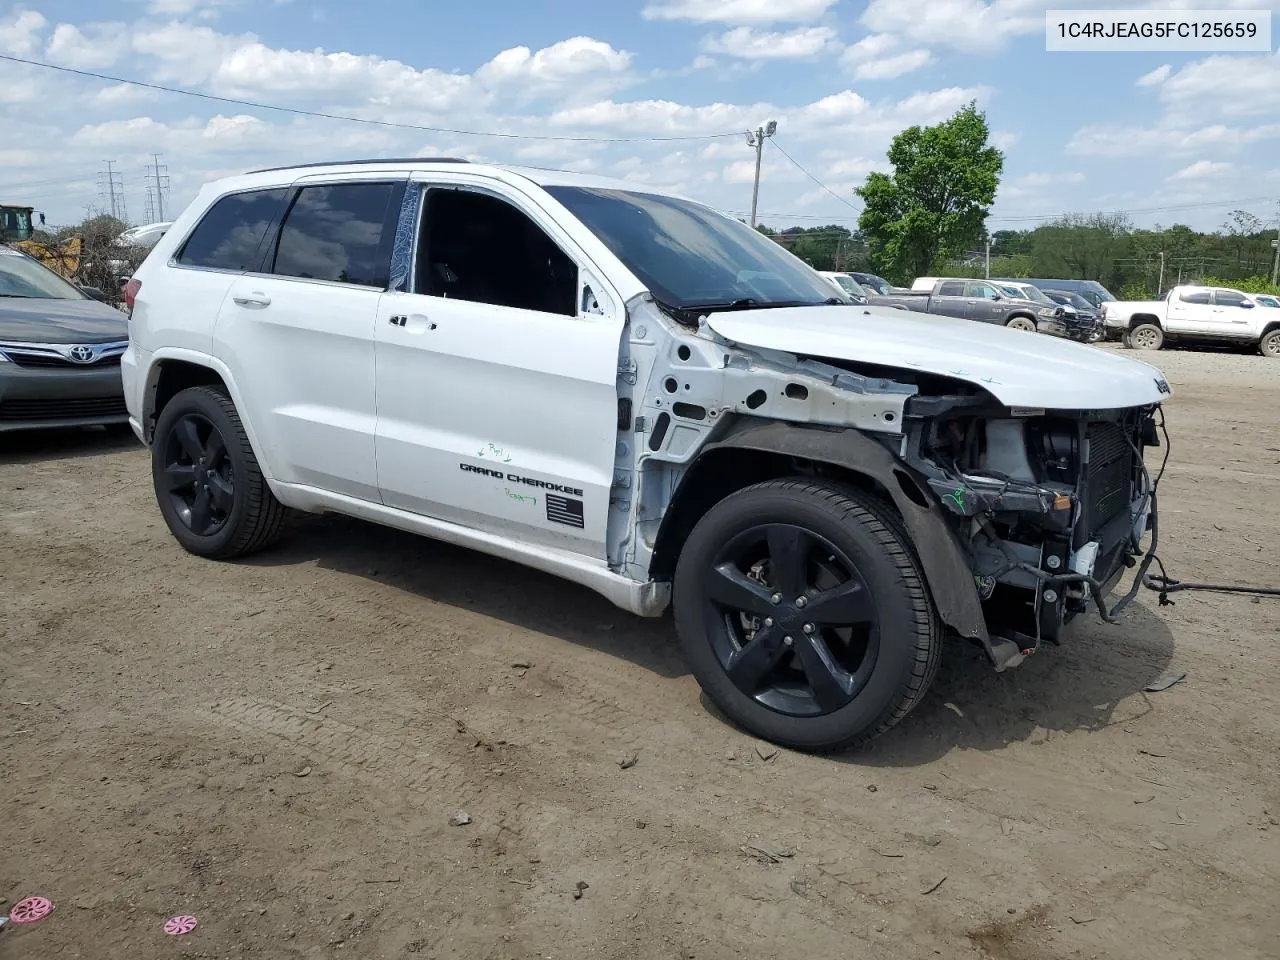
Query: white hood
(1019, 369)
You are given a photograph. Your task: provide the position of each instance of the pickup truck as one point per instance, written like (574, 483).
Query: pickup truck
(980, 300)
(1194, 313)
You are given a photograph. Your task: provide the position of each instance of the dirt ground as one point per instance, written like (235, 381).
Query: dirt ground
(277, 747)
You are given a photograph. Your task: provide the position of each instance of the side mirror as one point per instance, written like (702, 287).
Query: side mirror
(995, 296)
(93, 292)
(1247, 305)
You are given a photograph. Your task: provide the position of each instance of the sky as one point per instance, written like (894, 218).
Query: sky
(663, 89)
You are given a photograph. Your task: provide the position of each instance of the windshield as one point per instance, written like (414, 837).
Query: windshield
(691, 257)
(850, 286)
(23, 277)
(1011, 291)
(878, 284)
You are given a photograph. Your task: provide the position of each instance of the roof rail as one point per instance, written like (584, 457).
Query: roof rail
(350, 163)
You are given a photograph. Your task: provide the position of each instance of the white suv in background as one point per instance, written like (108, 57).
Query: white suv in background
(634, 392)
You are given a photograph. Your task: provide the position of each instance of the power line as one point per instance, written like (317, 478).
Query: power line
(299, 112)
(796, 164)
(111, 184)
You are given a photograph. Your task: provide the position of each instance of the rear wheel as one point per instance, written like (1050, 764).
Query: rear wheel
(1270, 344)
(1025, 324)
(804, 615)
(1146, 336)
(207, 480)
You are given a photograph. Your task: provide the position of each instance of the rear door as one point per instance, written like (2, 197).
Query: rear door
(1189, 310)
(497, 372)
(949, 299)
(984, 302)
(298, 334)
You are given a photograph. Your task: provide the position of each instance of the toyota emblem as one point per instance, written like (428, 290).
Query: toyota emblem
(81, 354)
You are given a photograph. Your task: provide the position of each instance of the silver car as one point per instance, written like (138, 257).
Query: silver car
(59, 351)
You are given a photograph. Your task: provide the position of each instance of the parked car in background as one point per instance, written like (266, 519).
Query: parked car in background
(1078, 311)
(1266, 300)
(980, 300)
(846, 284)
(1075, 327)
(1091, 290)
(131, 246)
(872, 283)
(1194, 313)
(60, 351)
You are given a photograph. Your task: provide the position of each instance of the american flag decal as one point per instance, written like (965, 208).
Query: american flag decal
(564, 510)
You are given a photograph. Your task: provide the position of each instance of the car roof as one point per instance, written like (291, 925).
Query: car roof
(510, 173)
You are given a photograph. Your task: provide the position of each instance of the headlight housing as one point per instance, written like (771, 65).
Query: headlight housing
(1048, 312)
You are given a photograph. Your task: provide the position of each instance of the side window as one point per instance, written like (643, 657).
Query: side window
(952, 288)
(339, 232)
(984, 290)
(230, 235)
(1195, 296)
(476, 247)
(1228, 298)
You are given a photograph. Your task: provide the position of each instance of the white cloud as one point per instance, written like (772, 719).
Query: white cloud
(567, 61)
(970, 25)
(98, 45)
(738, 11)
(1231, 86)
(205, 9)
(874, 58)
(1156, 77)
(1123, 140)
(19, 32)
(755, 45)
(1201, 170)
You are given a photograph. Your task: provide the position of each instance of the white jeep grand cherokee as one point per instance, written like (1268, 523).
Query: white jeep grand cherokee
(631, 391)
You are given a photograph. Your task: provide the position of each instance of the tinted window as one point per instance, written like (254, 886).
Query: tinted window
(231, 233)
(689, 256)
(952, 288)
(1194, 296)
(477, 247)
(1229, 298)
(984, 290)
(336, 233)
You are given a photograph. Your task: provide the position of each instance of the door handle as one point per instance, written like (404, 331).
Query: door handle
(255, 299)
(414, 322)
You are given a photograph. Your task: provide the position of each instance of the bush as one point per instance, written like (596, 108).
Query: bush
(1134, 291)
(1248, 285)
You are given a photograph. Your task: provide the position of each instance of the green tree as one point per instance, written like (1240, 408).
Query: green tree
(936, 201)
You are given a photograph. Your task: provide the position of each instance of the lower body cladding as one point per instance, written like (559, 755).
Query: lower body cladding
(60, 396)
(1049, 509)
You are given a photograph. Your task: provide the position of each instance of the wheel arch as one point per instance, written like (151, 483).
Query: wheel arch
(172, 371)
(763, 450)
(1139, 319)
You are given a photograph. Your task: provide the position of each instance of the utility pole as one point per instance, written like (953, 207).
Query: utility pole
(988, 273)
(158, 187)
(756, 139)
(1160, 283)
(1275, 262)
(111, 189)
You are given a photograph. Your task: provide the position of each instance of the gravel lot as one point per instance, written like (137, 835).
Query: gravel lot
(277, 746)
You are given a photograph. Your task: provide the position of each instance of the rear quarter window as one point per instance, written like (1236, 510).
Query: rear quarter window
(230, 236)
(339, 232)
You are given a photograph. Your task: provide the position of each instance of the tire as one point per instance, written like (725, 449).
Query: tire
(207, 480)
(884, 642)
(1024, 324)
(1269, 345)
(1146, 336)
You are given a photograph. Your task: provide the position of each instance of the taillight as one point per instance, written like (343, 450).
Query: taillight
(130, 292)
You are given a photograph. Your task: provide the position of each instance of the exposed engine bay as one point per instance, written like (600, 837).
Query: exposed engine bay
(1051, 506)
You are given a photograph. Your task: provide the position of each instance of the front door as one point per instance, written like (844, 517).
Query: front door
(984, 303)
(1233, 314)
(497, 374)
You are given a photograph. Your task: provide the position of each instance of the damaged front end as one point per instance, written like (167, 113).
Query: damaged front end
(1050, 506)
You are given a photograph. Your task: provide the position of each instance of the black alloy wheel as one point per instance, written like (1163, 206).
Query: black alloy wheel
(198, 474)
(208, 483)
(791, 620)
(804, 615)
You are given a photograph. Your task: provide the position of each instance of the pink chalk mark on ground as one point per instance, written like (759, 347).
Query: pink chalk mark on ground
(30, 910)
(179, 926)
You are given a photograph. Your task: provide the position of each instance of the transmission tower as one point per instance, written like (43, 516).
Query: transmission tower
(157, 179)
(111, 190)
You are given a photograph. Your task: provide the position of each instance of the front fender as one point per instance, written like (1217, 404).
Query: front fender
(946, 569)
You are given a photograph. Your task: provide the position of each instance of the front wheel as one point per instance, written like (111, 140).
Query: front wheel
(1022, 323)
(804, 615)
(1269, 346)
(208, 483)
